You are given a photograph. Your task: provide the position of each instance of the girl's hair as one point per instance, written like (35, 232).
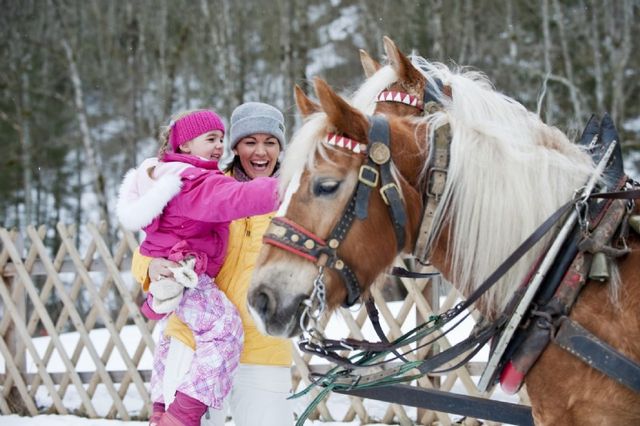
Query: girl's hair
(165, 131)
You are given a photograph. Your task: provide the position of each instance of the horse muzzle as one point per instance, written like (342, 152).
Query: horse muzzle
(272, 314)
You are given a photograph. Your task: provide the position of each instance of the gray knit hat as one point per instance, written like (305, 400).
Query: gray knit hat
(256, 117)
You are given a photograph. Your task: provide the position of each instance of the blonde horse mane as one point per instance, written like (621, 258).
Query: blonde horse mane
(508, 172)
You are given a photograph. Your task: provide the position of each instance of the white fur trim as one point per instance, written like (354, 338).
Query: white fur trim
(136, 210)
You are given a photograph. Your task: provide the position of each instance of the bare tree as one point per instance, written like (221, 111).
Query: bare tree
(618, 19)
(568, 66)
(81, 114)
(594, 41)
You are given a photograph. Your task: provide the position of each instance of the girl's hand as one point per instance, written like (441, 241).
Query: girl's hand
(159, 268)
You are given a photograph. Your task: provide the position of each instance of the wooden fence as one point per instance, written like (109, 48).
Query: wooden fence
(47, 295)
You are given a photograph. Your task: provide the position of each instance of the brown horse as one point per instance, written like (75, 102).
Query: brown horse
(508, 171)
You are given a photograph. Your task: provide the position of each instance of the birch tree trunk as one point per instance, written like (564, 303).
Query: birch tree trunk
(301, 51)
(287, 9)
(512, 33)
(87, 141)
(91, 155)
(568, 66)
(25, 143)
(594, 40)
(619, 36)
(546, 37)
(436, 25)
(468, 32)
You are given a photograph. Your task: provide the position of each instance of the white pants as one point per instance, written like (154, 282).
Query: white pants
(258, 396)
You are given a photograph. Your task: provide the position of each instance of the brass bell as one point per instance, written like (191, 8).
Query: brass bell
(599, 270)
(634, 222)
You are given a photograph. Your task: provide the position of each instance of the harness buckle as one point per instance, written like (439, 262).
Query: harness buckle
(368, 175)
(385, 188)
(435, 189)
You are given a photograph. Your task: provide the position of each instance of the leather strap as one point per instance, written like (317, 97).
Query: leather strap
(372, 311)
(438, 165)
(376, 170)
(575, 339)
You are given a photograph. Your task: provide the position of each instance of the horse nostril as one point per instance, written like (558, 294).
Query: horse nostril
(261, 304)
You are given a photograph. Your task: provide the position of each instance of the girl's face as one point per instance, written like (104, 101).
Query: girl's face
(258, 154)
(208, 146)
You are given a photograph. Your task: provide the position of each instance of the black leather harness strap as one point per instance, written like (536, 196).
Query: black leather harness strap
(574, 338)
(376, 170)
(289, 236)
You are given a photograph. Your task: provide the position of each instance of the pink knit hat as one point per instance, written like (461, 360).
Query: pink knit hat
(193, 125)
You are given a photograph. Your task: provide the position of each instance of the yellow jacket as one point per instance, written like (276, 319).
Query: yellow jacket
(245, 239)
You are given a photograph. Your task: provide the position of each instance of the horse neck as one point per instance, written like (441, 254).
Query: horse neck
(408, 150)
(409, 153)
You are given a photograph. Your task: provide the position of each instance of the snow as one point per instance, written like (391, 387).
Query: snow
(632, 125)
(338, 404)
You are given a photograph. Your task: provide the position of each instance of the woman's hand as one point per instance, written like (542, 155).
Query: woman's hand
(159, 268)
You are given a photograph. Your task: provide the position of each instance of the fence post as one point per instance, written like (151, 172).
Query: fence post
(14, 399)
(431, 293)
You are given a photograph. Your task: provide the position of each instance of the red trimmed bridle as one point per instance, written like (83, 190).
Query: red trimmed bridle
(376, 170)
(430, 95)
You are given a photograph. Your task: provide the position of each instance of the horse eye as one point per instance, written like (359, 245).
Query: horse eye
(325, 187)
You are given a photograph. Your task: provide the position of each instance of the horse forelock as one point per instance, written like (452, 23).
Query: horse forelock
(301, 151)
(508, 172)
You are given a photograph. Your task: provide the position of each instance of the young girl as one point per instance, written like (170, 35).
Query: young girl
(184, 204)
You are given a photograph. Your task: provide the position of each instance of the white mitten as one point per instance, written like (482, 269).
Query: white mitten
(167, 305)
(166, 295)
(165, 288)
(185, 274)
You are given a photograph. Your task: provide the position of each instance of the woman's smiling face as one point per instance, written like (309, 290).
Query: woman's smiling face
(258, 154)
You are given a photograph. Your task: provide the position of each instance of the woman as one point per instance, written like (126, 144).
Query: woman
(262, 382)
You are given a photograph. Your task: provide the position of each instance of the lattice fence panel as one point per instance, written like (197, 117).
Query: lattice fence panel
(31, 274)
(63, 292)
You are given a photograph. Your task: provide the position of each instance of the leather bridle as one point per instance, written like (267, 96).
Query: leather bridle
(437, 163)
(430, 95)
(376, 170)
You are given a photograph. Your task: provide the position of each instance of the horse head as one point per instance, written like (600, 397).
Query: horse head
(321, 231)
(398, 88)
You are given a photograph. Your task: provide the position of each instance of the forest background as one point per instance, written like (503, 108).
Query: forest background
(86, 84)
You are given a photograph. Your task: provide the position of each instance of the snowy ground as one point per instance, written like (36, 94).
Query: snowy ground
(338, 404)
(79, 421)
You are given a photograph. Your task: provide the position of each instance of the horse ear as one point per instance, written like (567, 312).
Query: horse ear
(343, 116)
(305, 105)
(369, 64)
(401, 63)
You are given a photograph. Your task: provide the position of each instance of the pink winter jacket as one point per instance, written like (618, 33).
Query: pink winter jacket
(185, 204)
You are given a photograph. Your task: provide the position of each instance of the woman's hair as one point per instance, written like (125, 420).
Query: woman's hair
(232, 164)
(165, 131)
